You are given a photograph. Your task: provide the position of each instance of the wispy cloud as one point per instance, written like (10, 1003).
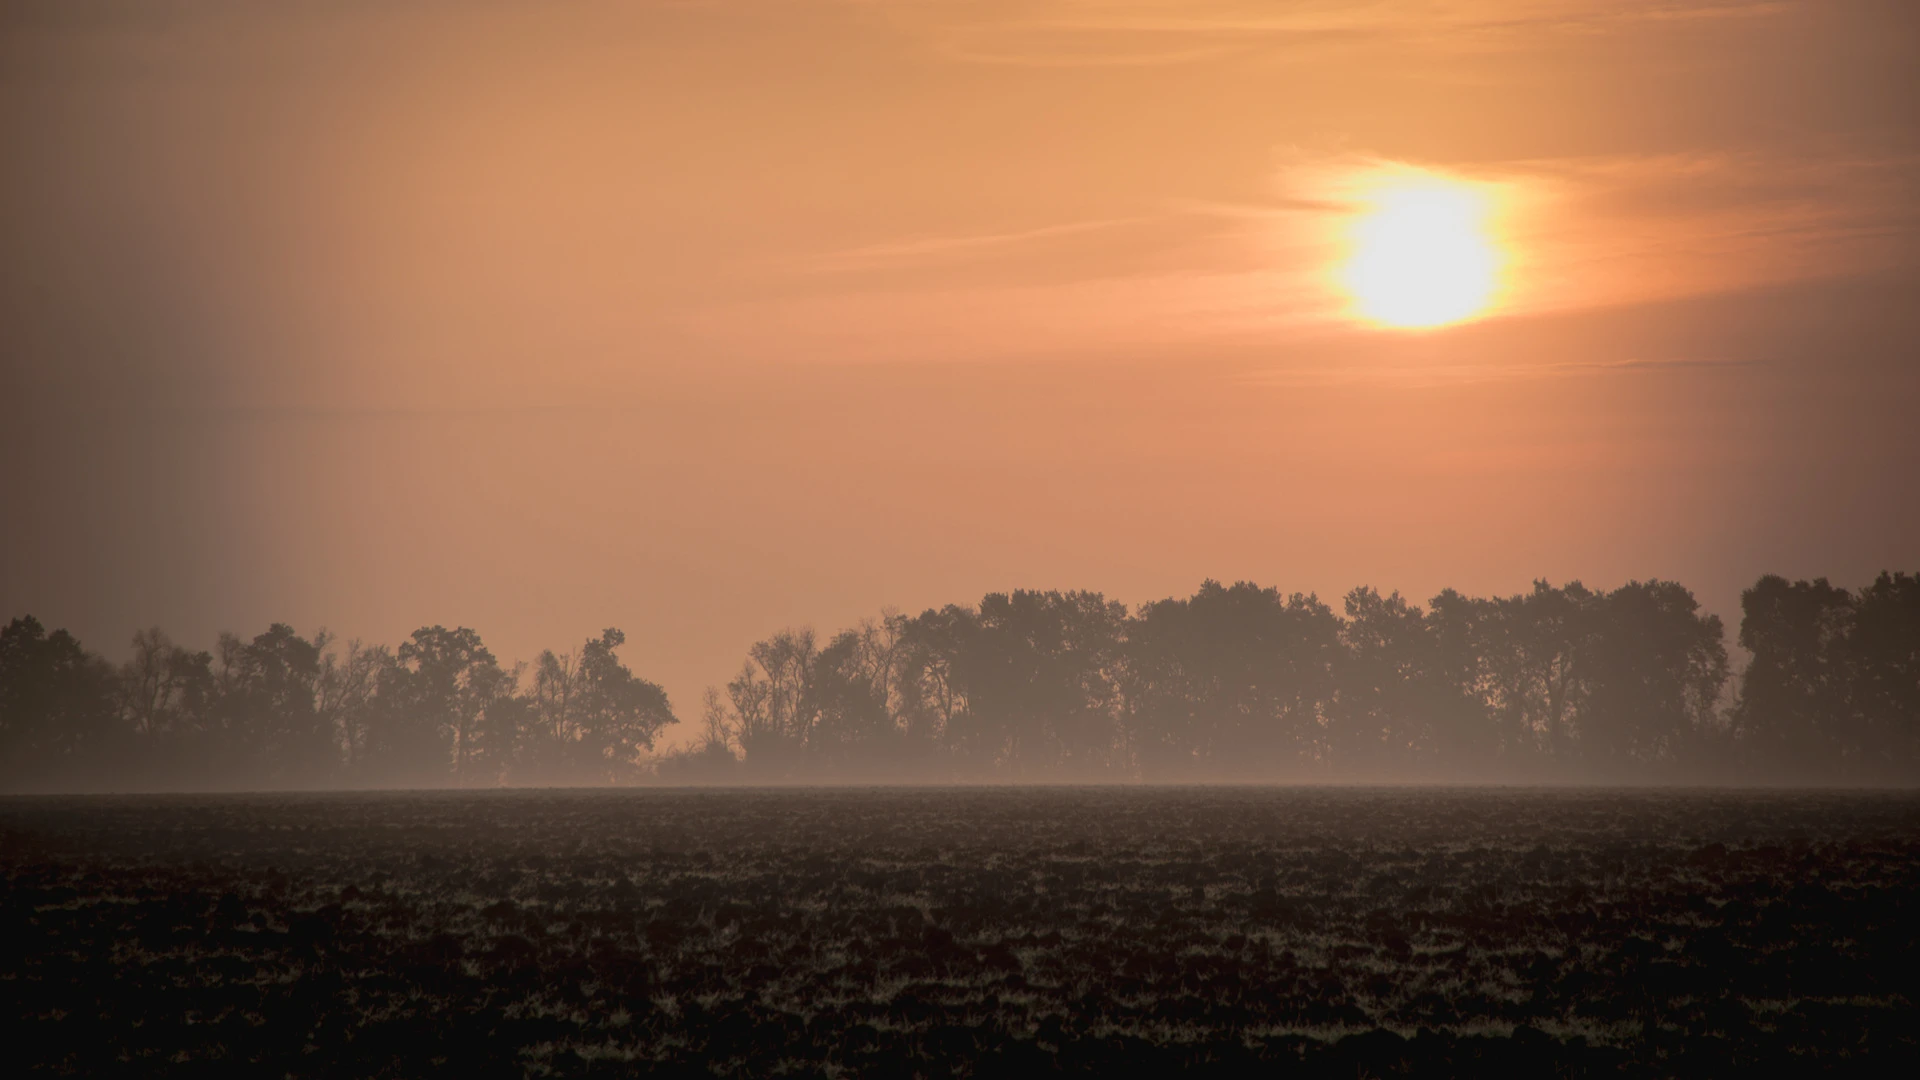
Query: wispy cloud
(1350, 372)
(925, 249)
(1147, 32)
(1586, 234)
(1667, 363)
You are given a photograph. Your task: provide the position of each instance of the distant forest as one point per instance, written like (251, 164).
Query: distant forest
(1235, 683)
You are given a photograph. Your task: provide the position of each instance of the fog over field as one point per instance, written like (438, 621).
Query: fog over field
(1234, 684)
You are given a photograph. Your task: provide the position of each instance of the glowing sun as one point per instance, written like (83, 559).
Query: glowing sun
(1421, 251)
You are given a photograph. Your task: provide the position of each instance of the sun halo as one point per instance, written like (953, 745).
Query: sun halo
(1421, 251)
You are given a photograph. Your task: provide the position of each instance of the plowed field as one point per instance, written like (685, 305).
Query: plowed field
(963, 932)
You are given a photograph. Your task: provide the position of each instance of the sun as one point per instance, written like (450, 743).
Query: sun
(1421, 251)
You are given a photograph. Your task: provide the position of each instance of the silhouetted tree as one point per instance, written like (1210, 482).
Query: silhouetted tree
(1041, 675)
(268, 699)
(860, 709)
(553, 708)
(1886, 675)
(1795, 697)
(164, 688)
(1461, 723)
(1529, 650)
(57, 715)
(930, 686)
(773, 702)
(716, 737)
(346, 698)
(167, 699)
(1651, 669)
(1389, 684)
(588, 716)
(1233, 683)
(433, 704)
(620, 714)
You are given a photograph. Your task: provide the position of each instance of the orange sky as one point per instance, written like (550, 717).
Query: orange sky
(704, 319)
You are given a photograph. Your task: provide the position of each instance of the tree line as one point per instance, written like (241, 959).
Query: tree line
(1234, 683)
(281, 710)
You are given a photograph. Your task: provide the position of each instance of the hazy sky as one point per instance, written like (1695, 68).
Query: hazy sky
(706, 319)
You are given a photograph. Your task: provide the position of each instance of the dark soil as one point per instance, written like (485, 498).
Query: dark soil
(992, 932)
